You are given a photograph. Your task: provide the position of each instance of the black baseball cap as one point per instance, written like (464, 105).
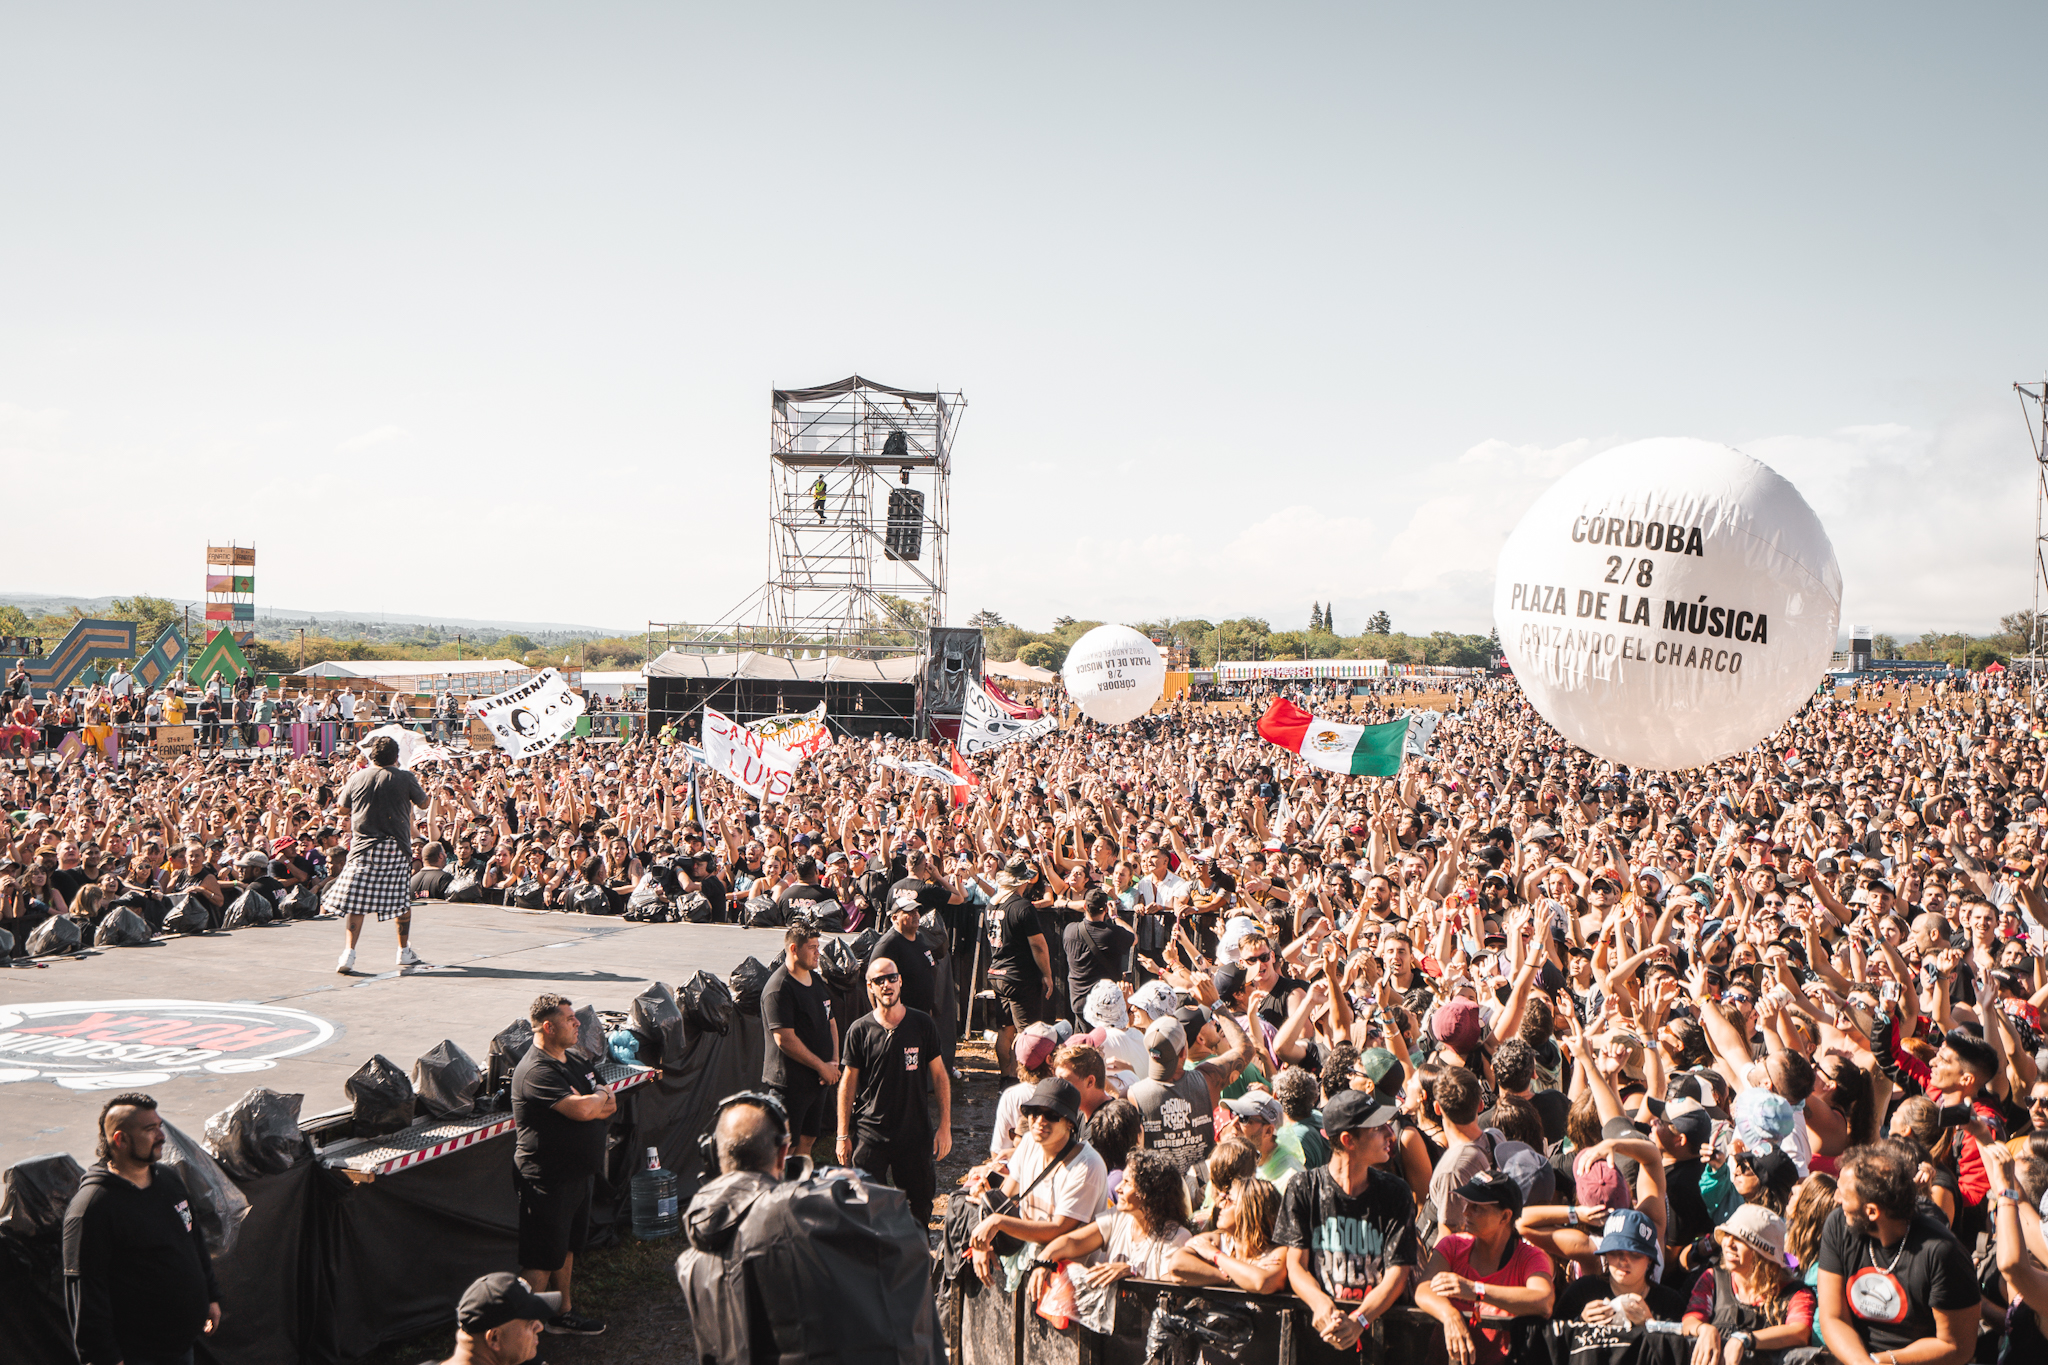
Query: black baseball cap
(1492, 1187)
(498, 1299)
(1354, 1111)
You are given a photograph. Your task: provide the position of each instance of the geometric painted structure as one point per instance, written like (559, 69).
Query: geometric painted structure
(218, 655)
(88, 639)
(230, 587)
(158, 666)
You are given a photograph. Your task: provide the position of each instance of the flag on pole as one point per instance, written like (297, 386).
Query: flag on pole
(1362, 750)
(964, 780)
(693, 813)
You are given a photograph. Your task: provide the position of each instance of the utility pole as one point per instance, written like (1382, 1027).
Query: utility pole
(2037, 434)
(302, 646)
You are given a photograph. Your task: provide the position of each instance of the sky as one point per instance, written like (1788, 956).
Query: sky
(476, 309)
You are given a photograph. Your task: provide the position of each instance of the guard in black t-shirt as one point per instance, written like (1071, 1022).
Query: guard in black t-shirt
(801, 1059)
(922, 888)
(918, 964)
(1098, 948)
(561, 1114)
(884, 1128)
(1020, 962)
(805, 894)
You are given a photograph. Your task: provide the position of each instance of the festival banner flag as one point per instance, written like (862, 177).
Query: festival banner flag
(265, 736)
(918, 767)
(533, 717)
(1421, 729)
(413, 747)
(759, 767)
(804, 733)
(964, 780)
(1362, 750)
(71, 746)
(985, 726)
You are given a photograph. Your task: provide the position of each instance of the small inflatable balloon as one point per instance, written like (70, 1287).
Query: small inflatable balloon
(1668, 603)
(1114, 674)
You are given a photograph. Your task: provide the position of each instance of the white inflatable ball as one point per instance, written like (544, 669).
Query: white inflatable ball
(1668, 603)
(1114, 674)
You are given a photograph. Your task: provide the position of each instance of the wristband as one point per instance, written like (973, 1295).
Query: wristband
(2014, 1195)
(1571, 1217)
(1478, 1290)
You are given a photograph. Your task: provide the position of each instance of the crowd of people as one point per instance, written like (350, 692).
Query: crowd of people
(1745, 1057)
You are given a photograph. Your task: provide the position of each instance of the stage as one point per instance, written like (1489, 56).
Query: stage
(198, 1021)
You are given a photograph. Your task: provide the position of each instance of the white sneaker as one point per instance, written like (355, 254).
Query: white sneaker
(347, 962)
(408, 958)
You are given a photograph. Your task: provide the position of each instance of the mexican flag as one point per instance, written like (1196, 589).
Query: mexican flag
(1364, 750)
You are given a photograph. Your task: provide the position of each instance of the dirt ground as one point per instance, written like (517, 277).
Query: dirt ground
(632, 1285)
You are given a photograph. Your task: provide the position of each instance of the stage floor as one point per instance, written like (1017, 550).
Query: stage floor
(198, 1021)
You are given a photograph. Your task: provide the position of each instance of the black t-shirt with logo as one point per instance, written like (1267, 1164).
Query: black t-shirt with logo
(1351, 1240)
(804, 1010)
(1012, 923)
(889, 1090)
(1892, 1292)
(553, 1149)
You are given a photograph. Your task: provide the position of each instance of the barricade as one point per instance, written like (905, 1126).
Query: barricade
(985, 1326)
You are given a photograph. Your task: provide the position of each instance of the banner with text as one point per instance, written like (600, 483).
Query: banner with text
(985, 725)
(803, 734)
(533, 717)
(759, 767)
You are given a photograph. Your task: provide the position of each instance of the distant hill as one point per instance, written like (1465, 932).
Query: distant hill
(339, 623)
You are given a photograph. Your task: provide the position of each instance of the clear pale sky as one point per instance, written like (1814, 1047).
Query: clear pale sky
(475, 309)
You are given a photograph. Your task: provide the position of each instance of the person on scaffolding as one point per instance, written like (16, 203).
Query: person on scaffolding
(818, 497)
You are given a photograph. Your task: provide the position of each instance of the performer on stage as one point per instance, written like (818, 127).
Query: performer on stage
(377, 879)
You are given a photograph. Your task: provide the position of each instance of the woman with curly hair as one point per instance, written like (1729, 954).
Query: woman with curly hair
(1240, 1253)
(1137, 1238)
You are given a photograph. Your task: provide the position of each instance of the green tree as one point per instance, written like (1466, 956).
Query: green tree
(1043, 654)
(1883, 647)
(986, 621)
(1060, 623)
(516, 646)
(15, 621)
(152, 617)
(1379, 623)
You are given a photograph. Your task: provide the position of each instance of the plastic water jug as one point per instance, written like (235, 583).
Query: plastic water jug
(656, 1211)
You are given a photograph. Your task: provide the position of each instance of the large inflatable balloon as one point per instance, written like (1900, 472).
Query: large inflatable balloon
(1114, 674)
(1668, 603)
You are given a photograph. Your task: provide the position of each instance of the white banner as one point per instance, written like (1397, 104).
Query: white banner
(533, 717)
(985, 725)
(917, 767)
(413, 747)
(759, 767)
(1421, 726)
(802, 734)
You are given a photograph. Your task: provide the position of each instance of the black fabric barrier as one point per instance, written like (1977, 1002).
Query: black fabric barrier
(327, 1269)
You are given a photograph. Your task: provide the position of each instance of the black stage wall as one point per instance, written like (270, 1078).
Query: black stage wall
(863, 709)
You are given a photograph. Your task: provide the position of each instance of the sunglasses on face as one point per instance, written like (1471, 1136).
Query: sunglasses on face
(1258, 957)
(885, 980)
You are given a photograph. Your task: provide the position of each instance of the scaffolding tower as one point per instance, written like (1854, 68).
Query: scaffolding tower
(2037, 433)
(859, 498)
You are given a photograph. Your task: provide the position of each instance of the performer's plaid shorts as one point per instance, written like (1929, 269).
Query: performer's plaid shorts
(376, 880)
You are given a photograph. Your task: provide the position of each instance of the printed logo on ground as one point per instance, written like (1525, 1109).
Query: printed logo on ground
(115, 1044)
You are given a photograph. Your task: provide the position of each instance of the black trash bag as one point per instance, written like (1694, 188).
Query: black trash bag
(827, 917)
(507, 1048)
(189, 915)
(464, 889)
(381, 1097)
(446, 1081)
(527, 893)
(838, 965)
(151, 907)
(6, 945)
(218, 1204)
(746, 982)
(761, 912)
(658, 1021)
(697, 909)
(863, 946)
(707, 1004)
(301, 902)
(588, 899)
(34, 1194)
(122, 929)
(56, 935)
(258, 1135)
(590, 1035)
(251, 908)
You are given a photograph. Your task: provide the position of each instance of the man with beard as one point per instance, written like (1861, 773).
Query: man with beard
(1895, 1285)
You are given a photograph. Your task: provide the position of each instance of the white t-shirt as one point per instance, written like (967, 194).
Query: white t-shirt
(1079, 1189)
(1151, 891)
(347, 702)
(1126, 1045)
(1009, 1108)
(1148, 1257)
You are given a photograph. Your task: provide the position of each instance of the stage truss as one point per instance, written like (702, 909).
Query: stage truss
(857, 566)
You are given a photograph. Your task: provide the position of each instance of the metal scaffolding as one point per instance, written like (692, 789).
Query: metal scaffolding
(859, 497)
(2037, 433)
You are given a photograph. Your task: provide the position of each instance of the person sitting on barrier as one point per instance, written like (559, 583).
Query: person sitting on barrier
(1239, 1253)
(1477, 1280)
(1623, 1292)
(1137, 1238)
(499, 1321)
(1055, 1180)
(1349, 1226)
